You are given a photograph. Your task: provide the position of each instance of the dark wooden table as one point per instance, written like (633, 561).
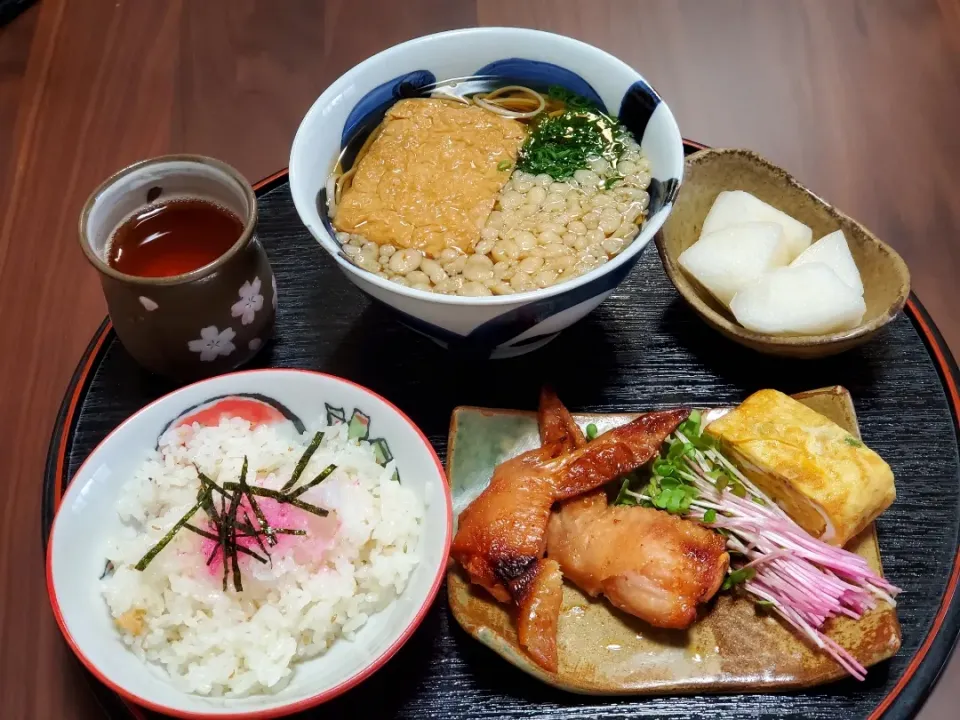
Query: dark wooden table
(858, 98)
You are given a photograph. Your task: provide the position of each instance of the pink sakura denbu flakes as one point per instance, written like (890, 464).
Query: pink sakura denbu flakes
(317, 535)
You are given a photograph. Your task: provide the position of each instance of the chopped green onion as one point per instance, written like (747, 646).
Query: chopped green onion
(591, 431)
(852, 441)
(562, 144)
(568, 97)
(503, 165)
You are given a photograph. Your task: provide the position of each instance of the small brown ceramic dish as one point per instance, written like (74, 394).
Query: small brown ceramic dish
(203, 322)
(732, 647)
(886, 279)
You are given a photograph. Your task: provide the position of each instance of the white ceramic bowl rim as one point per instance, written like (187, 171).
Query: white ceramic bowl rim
(294, 706)
(518, 34)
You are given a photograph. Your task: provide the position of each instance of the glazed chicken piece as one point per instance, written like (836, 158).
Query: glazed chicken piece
(655, 566)
(502, 534)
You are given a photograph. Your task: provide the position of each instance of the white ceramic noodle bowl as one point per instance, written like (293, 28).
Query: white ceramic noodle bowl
(87, 517)
(499, 326)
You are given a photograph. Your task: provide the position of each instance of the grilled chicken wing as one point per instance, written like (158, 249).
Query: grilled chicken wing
(502, 534)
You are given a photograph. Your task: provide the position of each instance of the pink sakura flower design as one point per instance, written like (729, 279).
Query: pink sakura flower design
(249, 303)
(213, 343)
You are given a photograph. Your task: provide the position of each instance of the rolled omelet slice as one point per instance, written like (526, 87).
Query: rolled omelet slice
(829, 482)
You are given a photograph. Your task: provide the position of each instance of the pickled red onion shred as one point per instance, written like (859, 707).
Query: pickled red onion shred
(804, 580)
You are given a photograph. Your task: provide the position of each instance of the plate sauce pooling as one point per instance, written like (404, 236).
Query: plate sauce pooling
(172, 237)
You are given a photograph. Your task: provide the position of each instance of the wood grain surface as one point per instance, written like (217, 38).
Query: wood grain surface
(859, 99)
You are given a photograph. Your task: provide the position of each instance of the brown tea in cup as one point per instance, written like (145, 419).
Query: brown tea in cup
(172, 238)
(187, 282)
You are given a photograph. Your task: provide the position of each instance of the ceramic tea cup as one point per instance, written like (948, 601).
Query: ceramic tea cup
(202, 322)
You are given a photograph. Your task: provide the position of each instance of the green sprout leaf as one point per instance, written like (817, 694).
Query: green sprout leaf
(624, 497)
(691, 426)
(738, 576)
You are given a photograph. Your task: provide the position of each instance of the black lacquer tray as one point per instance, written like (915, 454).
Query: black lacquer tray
(642, 348)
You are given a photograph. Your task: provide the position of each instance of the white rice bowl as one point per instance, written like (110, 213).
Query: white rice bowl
(317, 590)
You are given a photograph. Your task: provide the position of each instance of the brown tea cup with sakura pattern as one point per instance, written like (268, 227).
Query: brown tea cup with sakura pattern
(200, 323)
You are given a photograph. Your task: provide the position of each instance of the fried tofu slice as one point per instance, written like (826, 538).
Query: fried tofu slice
(431, 178)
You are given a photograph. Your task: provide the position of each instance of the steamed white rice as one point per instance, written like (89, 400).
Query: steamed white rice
(320, 588)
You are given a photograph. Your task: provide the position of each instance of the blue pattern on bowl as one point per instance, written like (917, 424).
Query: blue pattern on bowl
(637, 107)
(498, 332)
(662, 192)
(540, 76)
(370, 109)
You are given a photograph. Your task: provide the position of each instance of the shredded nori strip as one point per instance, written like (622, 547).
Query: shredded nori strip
(211, 536)
(256, 536)
(280, 497)
(223, 538)
(208, 483)
(250, 530)
(302, 463)
(237, 578)
(230, 521)
(324, 474)
(165, 540)
(229, 528)
(201, 532)
(208, 505)
(261, 518)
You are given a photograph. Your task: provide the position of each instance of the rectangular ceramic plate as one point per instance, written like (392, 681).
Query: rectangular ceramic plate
(732, 647)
